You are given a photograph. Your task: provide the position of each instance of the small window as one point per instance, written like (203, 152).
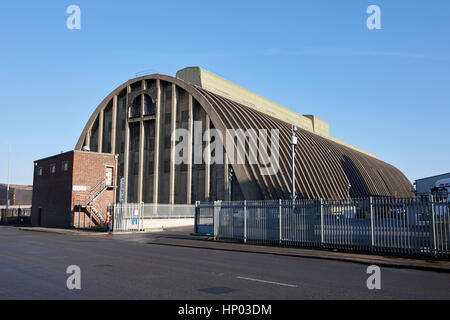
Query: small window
(65, 166)
(53, 169)
(39, 170)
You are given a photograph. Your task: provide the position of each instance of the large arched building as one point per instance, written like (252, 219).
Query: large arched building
(136, 120)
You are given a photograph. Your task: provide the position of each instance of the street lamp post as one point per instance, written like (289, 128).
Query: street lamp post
(293, 145)
(230, 180)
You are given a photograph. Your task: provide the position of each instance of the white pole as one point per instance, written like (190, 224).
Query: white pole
(245, 221)
(434, 224)
(281, 226)
(322, 233)
(293, 144)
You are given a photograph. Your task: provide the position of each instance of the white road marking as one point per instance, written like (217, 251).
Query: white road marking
(270, 282)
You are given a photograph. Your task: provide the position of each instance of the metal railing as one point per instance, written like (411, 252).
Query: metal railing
(13, 213)
(384, 225)
(131, 216)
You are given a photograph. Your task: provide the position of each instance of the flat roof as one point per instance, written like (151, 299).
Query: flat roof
(439, 175)
(74, 151)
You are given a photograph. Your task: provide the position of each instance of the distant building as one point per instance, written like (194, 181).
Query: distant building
(425, 186)
(19, 195)
(73, 189)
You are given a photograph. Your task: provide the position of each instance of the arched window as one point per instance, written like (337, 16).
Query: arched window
(149, 106)
(135, 108)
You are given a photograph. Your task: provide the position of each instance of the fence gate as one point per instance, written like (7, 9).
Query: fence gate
(128, 217)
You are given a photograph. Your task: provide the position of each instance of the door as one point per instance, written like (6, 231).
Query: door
(39, 217)
(109, 176)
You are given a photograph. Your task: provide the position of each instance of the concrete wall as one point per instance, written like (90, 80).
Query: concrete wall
(168, 223)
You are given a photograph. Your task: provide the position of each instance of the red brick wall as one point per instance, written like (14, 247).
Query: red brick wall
(89, 170)
(55, 194)
(52, 192)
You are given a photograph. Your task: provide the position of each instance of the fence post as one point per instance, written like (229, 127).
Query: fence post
(141, 218)
(434, 225)
(245, 221)
(372, 223)
(79, 216)
(215, 221)
(114, 216)
(279, 213)
(196, 218)
(322, 234)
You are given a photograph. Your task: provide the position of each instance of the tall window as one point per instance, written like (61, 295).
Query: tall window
(149, 106)
(135, 108)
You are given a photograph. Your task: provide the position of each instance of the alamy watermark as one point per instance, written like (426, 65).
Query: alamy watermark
(74, 280)
(74, 20)
(374, 281)
(374, 20)
(252, 146)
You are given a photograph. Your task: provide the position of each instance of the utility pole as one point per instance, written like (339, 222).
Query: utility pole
(293, 145)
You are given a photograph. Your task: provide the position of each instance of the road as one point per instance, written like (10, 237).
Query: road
(33, 266)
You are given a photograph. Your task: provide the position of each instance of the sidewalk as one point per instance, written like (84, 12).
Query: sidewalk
(64, 231)
(80, 232)
(182, 237)
(202, 242)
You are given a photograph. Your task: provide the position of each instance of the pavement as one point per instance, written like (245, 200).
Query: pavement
(172, 264)
(183, 237)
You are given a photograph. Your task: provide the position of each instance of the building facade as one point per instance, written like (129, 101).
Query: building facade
(136, 122)
(73, 189)
(426, 186)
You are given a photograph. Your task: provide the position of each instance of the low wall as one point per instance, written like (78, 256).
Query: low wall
(168, 223)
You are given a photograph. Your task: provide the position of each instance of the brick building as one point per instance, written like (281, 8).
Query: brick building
(19, 195)
(73, 189)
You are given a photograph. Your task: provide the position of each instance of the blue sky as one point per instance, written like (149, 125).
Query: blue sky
(386, 91)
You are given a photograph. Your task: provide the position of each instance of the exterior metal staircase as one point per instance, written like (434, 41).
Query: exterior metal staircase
(93, 195)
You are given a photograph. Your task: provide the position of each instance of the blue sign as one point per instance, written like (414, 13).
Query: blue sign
(134, 221)
(122, 190)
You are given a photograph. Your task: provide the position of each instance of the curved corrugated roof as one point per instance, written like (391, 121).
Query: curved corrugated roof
(324, 168)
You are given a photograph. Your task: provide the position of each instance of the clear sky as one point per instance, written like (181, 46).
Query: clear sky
(386, 91)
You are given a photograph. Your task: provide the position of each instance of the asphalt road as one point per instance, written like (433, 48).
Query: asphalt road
(33, 266)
